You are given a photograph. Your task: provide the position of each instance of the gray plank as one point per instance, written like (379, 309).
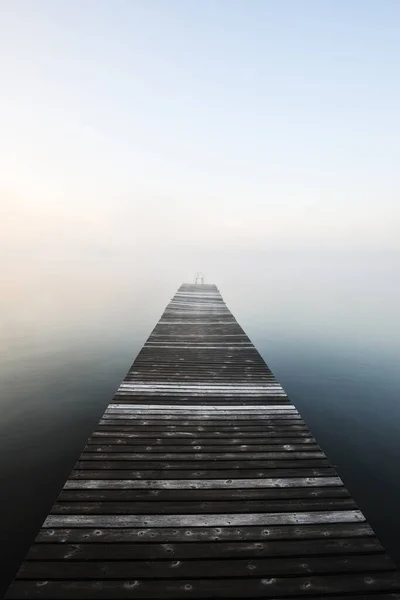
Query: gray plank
(250, 587)
(166, 495)
(130, 474)
(211, 465)
(205, 520)
(192, 550)
(191, 484)
(204, 456)
(191, 535)
(164, 569)
(124, 446)
(186, 507)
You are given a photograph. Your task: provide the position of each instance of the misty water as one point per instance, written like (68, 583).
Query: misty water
(327, 325)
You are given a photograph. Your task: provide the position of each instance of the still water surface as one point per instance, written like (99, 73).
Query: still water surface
(328, 328)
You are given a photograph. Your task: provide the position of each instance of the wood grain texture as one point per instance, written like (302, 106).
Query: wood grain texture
(202, 480)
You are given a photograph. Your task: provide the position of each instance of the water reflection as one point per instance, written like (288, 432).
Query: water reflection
(70, 332)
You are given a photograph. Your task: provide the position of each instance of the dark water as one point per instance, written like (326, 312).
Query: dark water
(328, 327)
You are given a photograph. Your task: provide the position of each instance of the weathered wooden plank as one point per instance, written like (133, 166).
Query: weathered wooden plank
(211, 465)
(128, 392)
(164, 569)
(192, 550)
(166, 495)
(212, 420)
(195, 456)
(232, 374)
(117, 444)
(239, 400)
(193, 394)
(191, 484)
(158, 371)
(212, 413)
(205, 520)
(325, 531)
(227, 433)
(160, 449)
(200, 407)
(203, 388)
(130, 474)
(249, 587)
(206, 437)
(207, 425)
(187, 507)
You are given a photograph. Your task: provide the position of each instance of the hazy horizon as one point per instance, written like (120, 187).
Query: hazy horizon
(198, 128)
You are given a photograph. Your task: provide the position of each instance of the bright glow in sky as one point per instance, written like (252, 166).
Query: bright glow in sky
(218, 124)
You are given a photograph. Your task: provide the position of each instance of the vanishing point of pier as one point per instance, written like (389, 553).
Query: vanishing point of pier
(201, 480)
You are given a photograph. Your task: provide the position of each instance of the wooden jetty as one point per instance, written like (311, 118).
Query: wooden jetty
(202, 481)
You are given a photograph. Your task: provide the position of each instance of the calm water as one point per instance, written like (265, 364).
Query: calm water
(328, 327)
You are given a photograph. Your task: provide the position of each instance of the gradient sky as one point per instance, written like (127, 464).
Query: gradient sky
(151, 125)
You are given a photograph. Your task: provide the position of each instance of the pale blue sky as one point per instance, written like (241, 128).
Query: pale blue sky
(219, 125)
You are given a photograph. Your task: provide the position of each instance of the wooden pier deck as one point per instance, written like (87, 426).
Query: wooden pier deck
(201, 480)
